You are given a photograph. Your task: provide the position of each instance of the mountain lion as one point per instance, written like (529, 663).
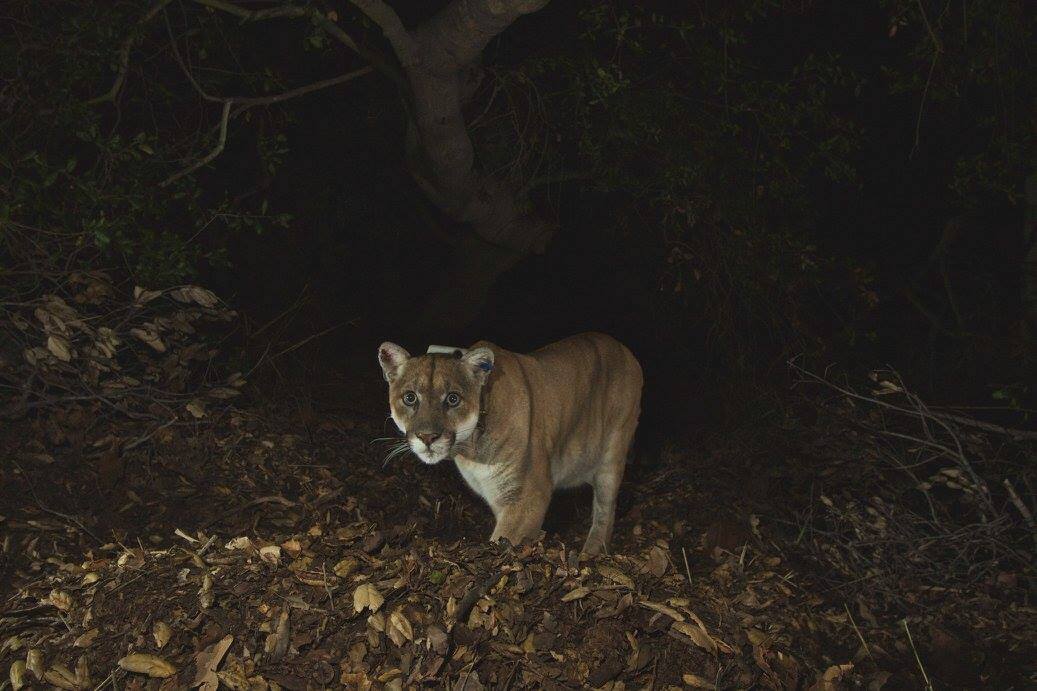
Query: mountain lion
(520, 426)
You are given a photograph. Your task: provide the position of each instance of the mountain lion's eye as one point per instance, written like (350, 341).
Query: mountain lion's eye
(410, 398)
(453, 400)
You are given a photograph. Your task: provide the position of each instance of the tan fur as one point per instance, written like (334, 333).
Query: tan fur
(561, 416)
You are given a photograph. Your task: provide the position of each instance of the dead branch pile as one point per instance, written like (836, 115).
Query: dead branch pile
(934, 502)
(76, 344)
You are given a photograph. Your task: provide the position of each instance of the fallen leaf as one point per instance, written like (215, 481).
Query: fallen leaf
(345, 567)
(205, 594)
(668, 611)
(657, 562)
(367, 596)
(616, 576)
(17, 675)
(576, 594)
(62, 677)
(239, 543)
(758, 638)
(698, 635)
(437, 639)
(207, 661)
(83, 680)
(828, 680)
(196, 408)
(468, 679)
(695, 681)
(271, 554)
(59, 348)
(87, 639)
(399, 628)
(151, 665)
(60, 599)
(141, 295)
(234, 677)
(34, 662)
(196, 294)
(150, 336)
(162, 633)
(276, 644)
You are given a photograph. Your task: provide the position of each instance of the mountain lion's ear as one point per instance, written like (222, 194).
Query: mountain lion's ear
(481, 362)
(391, 357)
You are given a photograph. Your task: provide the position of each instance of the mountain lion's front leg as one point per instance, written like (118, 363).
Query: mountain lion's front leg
(522, 519)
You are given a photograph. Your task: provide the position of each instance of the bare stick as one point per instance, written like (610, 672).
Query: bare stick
(857, 631)
(217, 150)
(246, 102)
(1016, 434)
(1018, 503)
(925, 677)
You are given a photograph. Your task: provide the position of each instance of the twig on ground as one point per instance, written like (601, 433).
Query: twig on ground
(324, 577)
(208, 543)
(140, 440)
(864, 643)
(687, 569)
(1018, 503)
(921, 667)
(1016, 434)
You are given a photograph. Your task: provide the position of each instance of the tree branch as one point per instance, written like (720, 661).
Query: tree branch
(399, 38)
(249, 101)
(124, 54)
(247, 15)
(303, 90)
(461, 30)
(318, 18)
(211, 155)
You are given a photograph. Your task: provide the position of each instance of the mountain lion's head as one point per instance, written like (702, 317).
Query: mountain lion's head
(435, 399)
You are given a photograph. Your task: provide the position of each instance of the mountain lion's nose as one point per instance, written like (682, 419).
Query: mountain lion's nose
(428, 438)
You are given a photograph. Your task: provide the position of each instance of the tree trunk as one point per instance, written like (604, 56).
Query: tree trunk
(436, 57)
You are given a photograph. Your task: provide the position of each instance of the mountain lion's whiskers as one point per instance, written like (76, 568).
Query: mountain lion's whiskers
(397, 449)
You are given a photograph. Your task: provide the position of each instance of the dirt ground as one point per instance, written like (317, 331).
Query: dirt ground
(268, 547)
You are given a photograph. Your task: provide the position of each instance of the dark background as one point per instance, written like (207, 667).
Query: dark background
(731, 185)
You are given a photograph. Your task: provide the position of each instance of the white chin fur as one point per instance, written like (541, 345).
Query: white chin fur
(428, 456)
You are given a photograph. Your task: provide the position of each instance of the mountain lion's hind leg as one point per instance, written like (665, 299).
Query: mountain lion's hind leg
(606, 486)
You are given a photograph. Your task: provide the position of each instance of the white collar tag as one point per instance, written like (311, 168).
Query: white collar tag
(445, 350)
